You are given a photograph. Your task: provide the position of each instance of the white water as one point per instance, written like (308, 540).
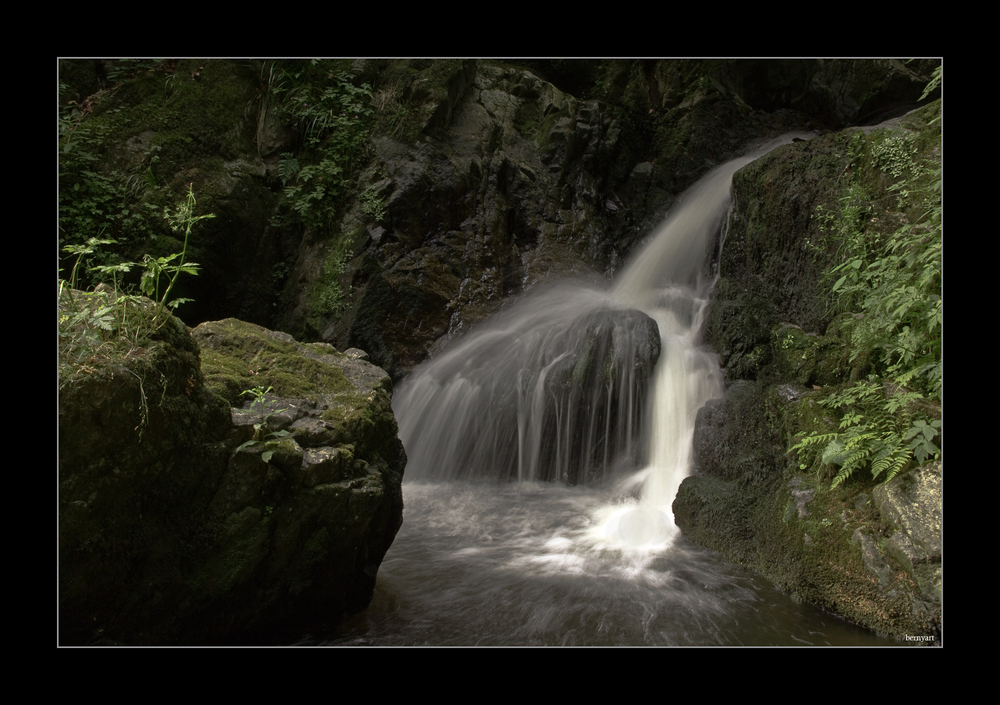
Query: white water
(518, 565)
(666, 280)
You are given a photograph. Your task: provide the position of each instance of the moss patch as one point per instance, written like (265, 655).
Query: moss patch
(237, 356)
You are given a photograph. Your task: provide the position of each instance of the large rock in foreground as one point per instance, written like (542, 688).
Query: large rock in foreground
(870, 553)
(175, 530)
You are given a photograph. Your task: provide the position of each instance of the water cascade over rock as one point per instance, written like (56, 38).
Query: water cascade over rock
(551, 390)
(562, 386)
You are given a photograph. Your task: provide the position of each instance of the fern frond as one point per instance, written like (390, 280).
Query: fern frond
(900, 461)
(845, 472)
(813, 440)
(890, 456)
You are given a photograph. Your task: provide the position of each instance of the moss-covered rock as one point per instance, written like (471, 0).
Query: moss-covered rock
(183, 521)
(783, 346)
(831, 547)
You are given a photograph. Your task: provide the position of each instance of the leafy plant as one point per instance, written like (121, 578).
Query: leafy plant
(327, 106)
(109, 322)
(896, 155)
(288, 167)
(183, 219)
(81, 251)
(85, 322)
(892, 283)
(880, 429)
(259, 395)
(933, 83)
(372, 204)
(328, 293)
(317, 188)
(96, 199)
(333, 117)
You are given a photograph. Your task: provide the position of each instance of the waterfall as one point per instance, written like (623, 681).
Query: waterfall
(666, 280)
(575, 384)
(553, 389)
(599, 390)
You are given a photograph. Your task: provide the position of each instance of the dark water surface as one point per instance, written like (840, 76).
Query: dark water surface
(534, 565)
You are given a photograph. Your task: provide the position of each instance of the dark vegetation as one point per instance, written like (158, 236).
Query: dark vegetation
(887, 221)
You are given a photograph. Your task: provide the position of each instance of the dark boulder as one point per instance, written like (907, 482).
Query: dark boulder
(183, 521)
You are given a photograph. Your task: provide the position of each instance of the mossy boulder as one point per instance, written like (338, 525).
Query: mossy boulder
(870, 553)
(813, 360)
(185, 521)
(783, 346)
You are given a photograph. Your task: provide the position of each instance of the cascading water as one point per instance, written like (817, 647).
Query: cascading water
(666, 280)
(574, 384)
(551, 390)
(562, 387)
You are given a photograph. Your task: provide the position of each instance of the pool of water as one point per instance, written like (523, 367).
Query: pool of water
(533, 565)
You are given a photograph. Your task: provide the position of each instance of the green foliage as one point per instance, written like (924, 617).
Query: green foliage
(328, 294)
(96, 199)
(97, 328)
(182, 218)
(896, 155)
(88, 248)
(108, 323)
(85, 322)
(894, 283)
(889, 277)
(334, 118)
(933, 83)
(123, 144)
(288, 167)
(881, 428)
(316, 191)
(372, 204)
(259, 395)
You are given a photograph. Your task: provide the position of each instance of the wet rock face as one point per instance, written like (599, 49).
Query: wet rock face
(226, 525)
(513, 181)
(553, 389)
(509, 190)
(870, 554)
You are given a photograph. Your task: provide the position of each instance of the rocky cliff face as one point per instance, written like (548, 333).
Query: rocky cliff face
(782, 345)
(512, 181)
(479, 179)
(183, 520)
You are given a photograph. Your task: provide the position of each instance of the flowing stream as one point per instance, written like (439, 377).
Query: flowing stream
(544, 452)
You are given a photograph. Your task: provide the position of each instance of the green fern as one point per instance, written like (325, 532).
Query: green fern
(889, 277)
(333, 117)
(288, 167)
(890, 461)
